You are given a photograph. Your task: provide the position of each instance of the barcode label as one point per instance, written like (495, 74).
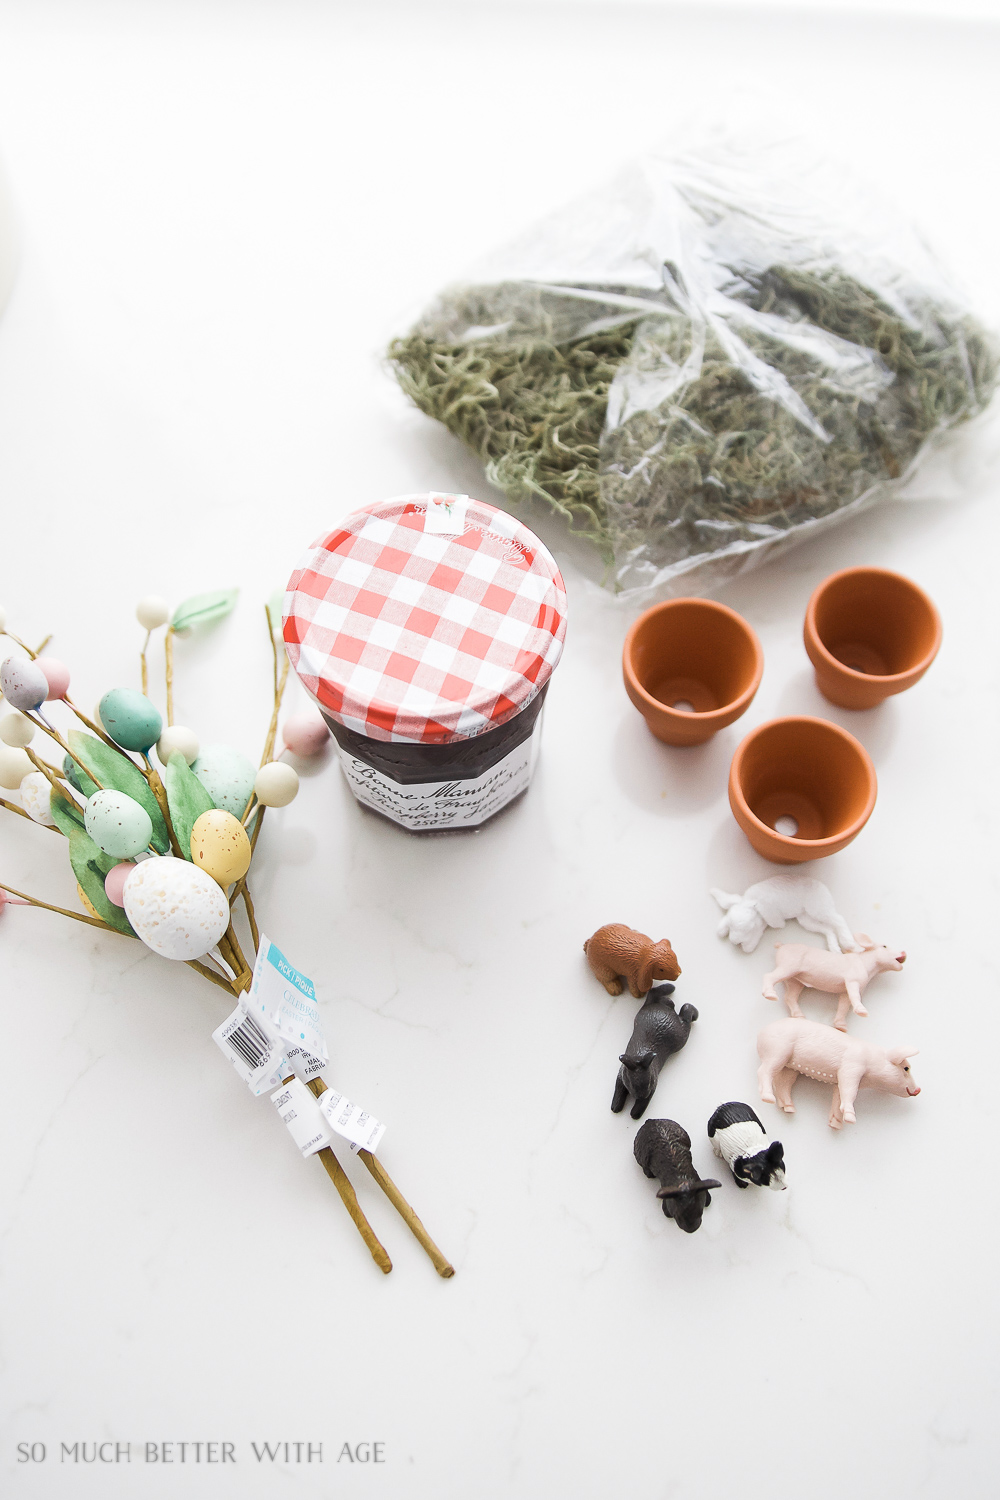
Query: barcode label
(259, 1061)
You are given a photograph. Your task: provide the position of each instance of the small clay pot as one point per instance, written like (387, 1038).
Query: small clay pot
(691, 652)
(809, 773)
(869, 633)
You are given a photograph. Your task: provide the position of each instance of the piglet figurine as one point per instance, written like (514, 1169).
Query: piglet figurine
(843, 974)
(789, 1047)
(663, 1150)
(741, 1140)
(659, 1030)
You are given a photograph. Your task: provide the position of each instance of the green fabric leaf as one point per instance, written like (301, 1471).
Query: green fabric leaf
(90, 865)
(116, 772)
(274, 604)
(187, 798)
(204, 609)
(66, 815)
(78, 778)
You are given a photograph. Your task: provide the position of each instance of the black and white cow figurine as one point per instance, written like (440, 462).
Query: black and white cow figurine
(659, 1030)
(741, 1140)
(663, 1150)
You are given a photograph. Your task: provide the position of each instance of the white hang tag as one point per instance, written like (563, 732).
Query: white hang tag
(445, 514)
(358, 1127)
(283, 1003)
(302, 1064)
(257, 1058)
(300, 1111)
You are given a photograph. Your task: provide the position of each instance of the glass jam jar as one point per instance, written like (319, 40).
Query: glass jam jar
(426, 629)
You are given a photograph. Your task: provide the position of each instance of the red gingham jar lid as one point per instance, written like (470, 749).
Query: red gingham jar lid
(402, 634)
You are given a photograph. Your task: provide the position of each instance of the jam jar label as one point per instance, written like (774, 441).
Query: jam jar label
(454, 803)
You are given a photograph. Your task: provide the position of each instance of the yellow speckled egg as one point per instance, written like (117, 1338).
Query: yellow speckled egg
(220, 847)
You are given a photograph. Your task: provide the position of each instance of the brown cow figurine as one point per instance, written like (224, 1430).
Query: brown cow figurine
(617, 952)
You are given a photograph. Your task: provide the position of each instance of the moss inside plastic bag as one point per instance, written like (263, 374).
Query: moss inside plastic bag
(699, 369)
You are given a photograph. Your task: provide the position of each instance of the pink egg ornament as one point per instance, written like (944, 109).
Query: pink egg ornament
(56, 674)
(114, 882)
(305, 735)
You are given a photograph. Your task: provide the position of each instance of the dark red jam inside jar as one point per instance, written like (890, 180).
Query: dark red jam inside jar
(426, 629)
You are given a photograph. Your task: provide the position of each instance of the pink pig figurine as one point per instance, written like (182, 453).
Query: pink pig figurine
(843, 974)
(789, 1047)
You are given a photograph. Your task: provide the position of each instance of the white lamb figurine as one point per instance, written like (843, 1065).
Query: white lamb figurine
(783, 898)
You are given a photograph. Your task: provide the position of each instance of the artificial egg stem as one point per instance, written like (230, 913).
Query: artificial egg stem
(75, 915)
(349, 1199)
(43, 645)
(211, 974)
(159, 791)
(47, 772)
(145, 669)
(168, 663)
(12, 807)
(250, 807)
(55, 735)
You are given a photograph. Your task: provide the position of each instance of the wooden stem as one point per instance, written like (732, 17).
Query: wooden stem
(251, 917)
(75, 915)
(54, 734)
(95, 729)
(211, 974)
(142, 659)
(349, 1197)
(159, 791)
(13, 807)
(47, 772)
(168, 658)
(42, 647)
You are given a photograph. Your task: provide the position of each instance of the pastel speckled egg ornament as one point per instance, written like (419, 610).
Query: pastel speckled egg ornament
(305, 735)
(56, 674)
(118, 824)
(228, 777)
(131, 719)
(14, 767)
(220, 847)
(16, 730)
(114, 882)
(176, 737)
(36, 798)
(175, 908)
(276, 784)
(23, 685)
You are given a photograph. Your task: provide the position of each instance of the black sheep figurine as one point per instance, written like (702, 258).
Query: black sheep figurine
(663, 1150)
(659, 1030)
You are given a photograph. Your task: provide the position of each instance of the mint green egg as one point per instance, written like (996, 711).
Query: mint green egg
(117, 824)
(131, 719)
(228, 777)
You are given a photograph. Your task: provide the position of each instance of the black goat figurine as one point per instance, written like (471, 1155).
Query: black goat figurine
(659, 1030)
(663, 1150)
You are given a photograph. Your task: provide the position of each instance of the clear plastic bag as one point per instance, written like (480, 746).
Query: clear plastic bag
(705, 361)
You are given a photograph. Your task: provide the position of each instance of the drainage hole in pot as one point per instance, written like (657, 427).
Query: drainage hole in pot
(786, 825)
(684, 706)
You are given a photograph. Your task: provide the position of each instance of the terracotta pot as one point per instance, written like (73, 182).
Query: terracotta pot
(693, 652)
(869, 633)
(806, 770)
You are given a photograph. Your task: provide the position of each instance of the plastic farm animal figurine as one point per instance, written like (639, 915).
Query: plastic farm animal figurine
(789, 1047)
(617, 950)
(781, 899)
(843, 974)
(740, 1139)
(659, 1030)
(663, 1150)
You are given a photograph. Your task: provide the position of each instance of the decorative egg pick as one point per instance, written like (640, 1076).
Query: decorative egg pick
(176, 737)
(14, 767)
(220, 847)
(131, 719)
(56, 674)
(36, 798)
(175, 908)
(16, 730)
(228, 777)
(114, 882)
(305, 735)
(152, 612)
(23, 684)
(118, 824)
(276, 784)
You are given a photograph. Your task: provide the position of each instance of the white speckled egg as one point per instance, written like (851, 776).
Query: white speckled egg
(118, 824)
(23, 684)
(36, 794)
(228, 777)
(14, 767)
(175, 908)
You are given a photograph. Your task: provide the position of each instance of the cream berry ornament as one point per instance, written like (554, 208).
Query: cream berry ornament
(152, 612)
(16, 730)
(176, 737)
(276, 784)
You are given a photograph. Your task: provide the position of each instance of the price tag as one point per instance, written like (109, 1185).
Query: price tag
(357, 1127)
(258, 1060)
(445, 514)
(283, 1003)
(300, 1111)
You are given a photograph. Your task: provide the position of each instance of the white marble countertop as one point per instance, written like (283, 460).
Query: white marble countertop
(225, 210)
